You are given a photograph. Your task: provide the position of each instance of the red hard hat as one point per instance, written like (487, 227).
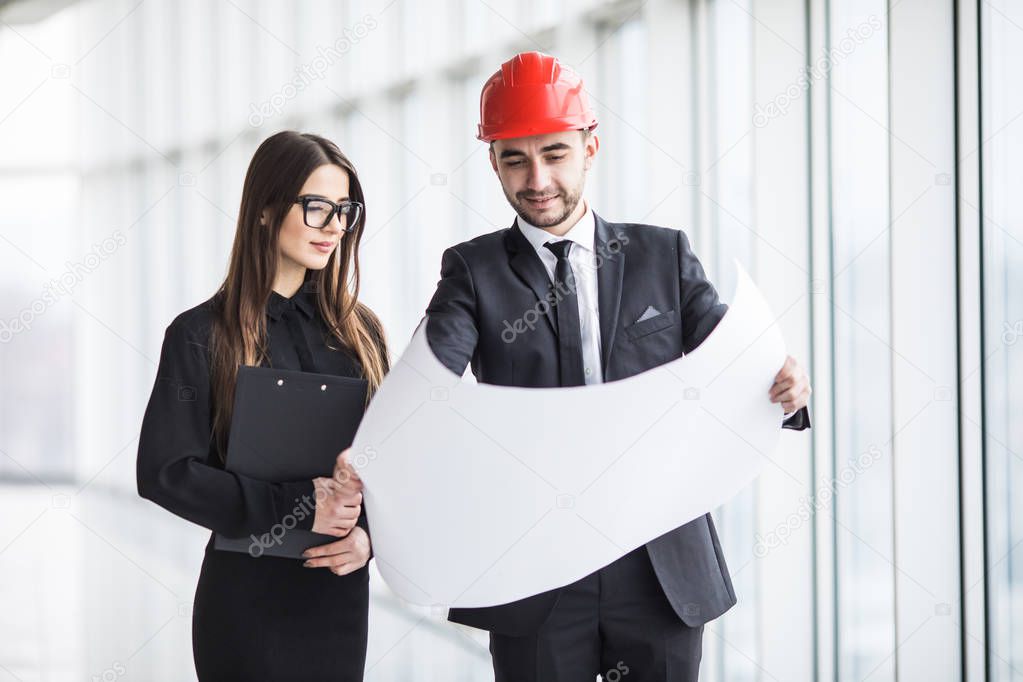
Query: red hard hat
(533, 94)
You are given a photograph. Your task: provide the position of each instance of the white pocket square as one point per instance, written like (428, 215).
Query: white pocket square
(648, 313)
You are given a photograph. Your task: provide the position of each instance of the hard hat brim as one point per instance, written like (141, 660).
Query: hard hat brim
(504, 132)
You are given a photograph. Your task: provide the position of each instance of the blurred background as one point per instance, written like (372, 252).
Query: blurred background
(859, 157)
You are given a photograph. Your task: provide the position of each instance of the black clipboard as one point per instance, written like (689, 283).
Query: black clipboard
(289, 425)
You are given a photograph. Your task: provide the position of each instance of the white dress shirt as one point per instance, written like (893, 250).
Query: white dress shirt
(582, 258)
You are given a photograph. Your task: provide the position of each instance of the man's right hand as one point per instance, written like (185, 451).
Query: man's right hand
(338, 499)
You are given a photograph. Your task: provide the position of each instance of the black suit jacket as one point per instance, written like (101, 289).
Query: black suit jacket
(490, 282)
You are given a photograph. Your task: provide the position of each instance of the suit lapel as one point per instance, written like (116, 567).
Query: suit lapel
(609, 285)
(527, 266)
(530, 269)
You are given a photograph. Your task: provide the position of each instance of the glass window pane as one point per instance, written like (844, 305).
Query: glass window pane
(864, 523)
(1002, 176)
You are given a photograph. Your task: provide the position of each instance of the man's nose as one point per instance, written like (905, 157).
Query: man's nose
(539, 178)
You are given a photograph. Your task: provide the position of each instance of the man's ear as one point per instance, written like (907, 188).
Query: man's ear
(590, 150)
(493, 159)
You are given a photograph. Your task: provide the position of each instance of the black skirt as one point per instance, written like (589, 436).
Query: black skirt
(269, 618)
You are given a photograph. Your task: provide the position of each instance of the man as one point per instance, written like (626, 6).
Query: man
(626, 298)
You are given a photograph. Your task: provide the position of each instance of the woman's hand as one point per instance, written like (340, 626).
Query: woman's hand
(337, 506)
(345, 474)
(342, 557)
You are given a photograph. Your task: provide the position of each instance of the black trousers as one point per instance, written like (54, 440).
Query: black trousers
(615, 622)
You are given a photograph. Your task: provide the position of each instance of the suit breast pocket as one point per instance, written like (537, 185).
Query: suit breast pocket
(638, 330)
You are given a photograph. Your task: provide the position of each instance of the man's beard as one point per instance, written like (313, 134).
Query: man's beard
(571, 200)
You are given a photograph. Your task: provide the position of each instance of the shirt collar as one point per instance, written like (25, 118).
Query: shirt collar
(302, 300)
(582, 233)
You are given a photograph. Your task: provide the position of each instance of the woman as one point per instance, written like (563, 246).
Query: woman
(289, 301)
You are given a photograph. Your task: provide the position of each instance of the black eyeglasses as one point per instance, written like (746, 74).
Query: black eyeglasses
(318, 212)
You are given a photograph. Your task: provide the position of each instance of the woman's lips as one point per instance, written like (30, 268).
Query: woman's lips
(323, 247)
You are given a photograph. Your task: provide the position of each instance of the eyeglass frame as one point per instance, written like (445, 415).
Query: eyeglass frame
(335, 210)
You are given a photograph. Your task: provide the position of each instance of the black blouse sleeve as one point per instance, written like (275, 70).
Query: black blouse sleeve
(173, 468)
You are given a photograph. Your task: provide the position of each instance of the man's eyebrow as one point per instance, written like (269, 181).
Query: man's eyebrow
(557, 146)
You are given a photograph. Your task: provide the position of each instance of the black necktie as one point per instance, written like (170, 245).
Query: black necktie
(570, 341)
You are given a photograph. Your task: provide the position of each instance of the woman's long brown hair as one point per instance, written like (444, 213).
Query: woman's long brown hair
(276, 174)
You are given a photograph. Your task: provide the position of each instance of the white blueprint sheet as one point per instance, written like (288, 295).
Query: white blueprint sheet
(479, 495)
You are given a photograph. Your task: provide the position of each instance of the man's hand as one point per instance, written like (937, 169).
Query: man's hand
(791, 386)
(342, 557)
